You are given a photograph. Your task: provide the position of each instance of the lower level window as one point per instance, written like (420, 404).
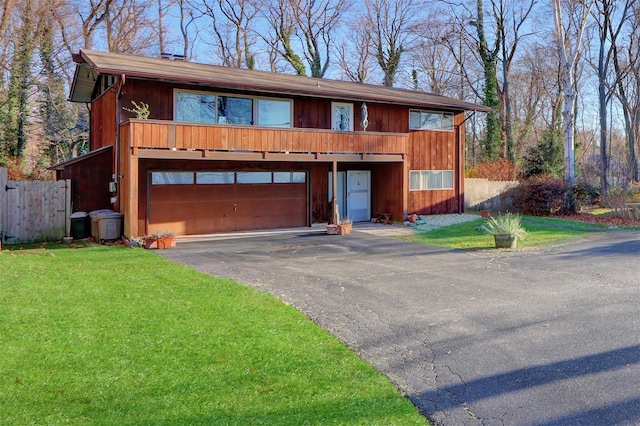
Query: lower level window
(420, 180)
(225, 178)
(172, 178)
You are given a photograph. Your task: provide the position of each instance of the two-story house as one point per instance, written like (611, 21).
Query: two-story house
(227, 149)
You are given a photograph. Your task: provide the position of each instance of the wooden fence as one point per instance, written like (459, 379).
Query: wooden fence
(487, 194)
(33, 211)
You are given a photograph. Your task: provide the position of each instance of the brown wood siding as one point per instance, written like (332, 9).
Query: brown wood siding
(387, 183)
(309, 113)
(90, 182)
(430, 150)
(386, 134)
(103, 120)
(171, 134)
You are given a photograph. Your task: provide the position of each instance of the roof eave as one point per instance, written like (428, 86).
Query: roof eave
(87, 72)
(61, 166)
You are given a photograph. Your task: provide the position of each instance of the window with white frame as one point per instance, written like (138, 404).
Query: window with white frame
(342, 116)
(205, 107)
(423, 180)
(430, 120)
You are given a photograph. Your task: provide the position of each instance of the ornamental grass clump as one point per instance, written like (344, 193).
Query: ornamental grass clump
(505, 224)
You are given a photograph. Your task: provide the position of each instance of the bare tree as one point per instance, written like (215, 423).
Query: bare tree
(570, 24)
(392, 24)
(302, 31)
(316, 21)
(186, 18)
(162, 9)
(92, 13)
(627, 84)
(281, 20)
(432, 57)
(231, 24)
(510, 34)
(610, 21)
(63, 125)
(355, 59)
(128, 26)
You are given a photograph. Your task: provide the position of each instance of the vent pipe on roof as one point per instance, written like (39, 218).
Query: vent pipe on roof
(172, 56)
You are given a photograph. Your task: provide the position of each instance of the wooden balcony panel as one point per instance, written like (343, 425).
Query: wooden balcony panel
(187, 138)
(314, 142)
(194, 141)
(202, 136)
(160, 134)
(247, 140)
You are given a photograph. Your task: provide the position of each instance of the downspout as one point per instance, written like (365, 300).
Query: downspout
(460, 165)
(116, 166)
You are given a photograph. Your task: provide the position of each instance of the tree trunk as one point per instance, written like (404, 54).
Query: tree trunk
(602, 102)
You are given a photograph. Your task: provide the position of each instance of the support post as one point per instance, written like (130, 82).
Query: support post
(334, 199)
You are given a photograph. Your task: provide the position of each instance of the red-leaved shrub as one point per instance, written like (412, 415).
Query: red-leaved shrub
(501, 170)
(539, 196)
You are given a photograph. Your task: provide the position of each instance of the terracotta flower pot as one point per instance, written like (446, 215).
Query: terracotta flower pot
(332, 229)
(160, 242)
(344, 229)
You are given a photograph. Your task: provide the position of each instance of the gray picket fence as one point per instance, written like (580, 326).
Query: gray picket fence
(33, 211)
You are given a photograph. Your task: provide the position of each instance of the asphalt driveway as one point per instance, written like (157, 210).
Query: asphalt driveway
(543, 337)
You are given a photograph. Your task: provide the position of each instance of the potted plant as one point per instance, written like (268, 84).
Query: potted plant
(160, 240)
(506, 229)
(344, 227)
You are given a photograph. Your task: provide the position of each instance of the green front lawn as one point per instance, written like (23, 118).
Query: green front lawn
(115, 336)
(542, 232)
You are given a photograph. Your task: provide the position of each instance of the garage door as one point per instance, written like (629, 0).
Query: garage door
(192, 203)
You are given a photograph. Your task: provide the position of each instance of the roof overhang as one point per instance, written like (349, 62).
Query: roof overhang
(62, 165)
(91, 64)
(84, 82)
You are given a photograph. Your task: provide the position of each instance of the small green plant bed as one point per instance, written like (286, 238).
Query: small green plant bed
(117, 336)
(469, 236)
(563, 223)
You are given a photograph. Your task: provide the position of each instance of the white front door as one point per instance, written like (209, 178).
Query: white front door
(359, 195)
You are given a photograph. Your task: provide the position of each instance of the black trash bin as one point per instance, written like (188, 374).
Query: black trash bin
(80, 225)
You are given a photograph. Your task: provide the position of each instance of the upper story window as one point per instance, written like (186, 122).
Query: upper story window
(233, 110)
(430, 120)
(342, 116)
(195, 107)
(205, 107)
(274, 113)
